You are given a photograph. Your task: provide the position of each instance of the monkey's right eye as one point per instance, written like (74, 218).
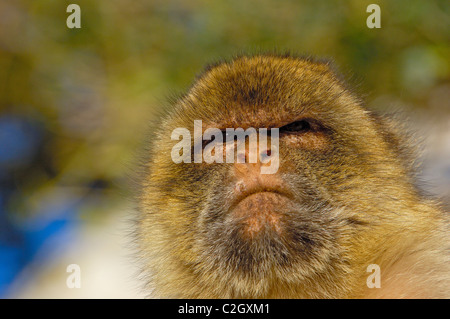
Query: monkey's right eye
(296, 127)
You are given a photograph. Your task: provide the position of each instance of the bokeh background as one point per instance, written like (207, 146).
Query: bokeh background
(75, 105)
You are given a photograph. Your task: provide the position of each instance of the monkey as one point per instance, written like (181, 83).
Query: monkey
(344, 197)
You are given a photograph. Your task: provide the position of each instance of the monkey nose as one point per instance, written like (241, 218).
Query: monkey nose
(257, 159)
(262, 157)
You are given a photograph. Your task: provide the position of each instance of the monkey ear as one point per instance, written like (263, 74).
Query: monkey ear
(398, 138)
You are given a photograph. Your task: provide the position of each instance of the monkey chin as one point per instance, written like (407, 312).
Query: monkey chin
(265, 238)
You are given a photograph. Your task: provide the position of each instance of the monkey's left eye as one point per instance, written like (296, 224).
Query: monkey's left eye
(296, 127)
(226, 135)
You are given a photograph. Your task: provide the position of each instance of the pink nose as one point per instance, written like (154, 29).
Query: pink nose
(251, 158)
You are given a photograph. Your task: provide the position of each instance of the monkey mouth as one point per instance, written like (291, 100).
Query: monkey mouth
(260, 211)
(259, 191)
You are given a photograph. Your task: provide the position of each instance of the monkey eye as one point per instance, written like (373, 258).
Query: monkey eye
(296, 127)
(225, 135)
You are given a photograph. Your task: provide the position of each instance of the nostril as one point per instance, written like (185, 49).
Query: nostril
(265, 155)
(241, 158)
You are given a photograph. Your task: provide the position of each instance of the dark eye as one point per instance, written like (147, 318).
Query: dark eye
(296, 127)
(226, 135)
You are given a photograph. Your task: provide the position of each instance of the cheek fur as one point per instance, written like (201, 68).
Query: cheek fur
(309, 141)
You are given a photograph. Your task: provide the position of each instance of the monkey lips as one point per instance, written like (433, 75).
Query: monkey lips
(260, 212)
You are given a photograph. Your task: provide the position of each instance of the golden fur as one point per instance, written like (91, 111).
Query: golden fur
(352, 179)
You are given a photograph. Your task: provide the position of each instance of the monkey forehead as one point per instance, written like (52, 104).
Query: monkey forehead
(248, 88)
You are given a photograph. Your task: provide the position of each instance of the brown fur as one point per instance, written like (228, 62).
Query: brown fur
(343, 197)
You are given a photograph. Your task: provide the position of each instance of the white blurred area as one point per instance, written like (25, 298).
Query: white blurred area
(436, 161)
(103, 252)
(429, 128)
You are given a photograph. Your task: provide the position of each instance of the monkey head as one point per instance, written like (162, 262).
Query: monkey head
(227, 230)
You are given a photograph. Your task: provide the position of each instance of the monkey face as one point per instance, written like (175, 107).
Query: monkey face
(254, 223)
(230, 222)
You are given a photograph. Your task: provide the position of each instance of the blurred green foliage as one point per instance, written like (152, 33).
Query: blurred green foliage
(93, 90)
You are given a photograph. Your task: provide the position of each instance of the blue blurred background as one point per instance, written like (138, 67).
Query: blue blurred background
(74, 104)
